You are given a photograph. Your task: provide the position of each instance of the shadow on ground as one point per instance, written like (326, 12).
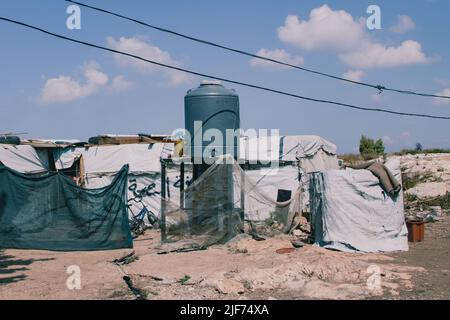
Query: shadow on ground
(12, 270)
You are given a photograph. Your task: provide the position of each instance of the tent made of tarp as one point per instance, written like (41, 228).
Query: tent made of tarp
(285, 161)
(24, 158)
(312, 153)
(350, 211)
(102, 162)
(52, 212)
(274, 183)
(110, 158)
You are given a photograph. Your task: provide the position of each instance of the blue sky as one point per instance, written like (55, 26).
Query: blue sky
(53, 89)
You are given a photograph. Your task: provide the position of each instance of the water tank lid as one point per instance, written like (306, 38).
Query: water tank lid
(211, 82)
(210, 88)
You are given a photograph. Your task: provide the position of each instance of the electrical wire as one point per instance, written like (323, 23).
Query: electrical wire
(380, 88)
(284, 93)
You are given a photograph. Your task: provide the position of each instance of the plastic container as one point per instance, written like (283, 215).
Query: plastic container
(416, 231)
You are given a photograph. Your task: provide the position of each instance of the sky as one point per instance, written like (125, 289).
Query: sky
(53, 89)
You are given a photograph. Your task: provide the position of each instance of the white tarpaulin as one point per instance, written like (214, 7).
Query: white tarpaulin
(295, 147)
(269, 181)
(23, 158)
(144, 189)
(110, 158)
(102, 162)
(351, 212)
(312, 152)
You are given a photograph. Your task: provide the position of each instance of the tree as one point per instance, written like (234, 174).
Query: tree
(379, 147)
(419, 146)
(369, 149)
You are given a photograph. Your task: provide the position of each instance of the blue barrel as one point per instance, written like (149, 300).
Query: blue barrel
(216, 108)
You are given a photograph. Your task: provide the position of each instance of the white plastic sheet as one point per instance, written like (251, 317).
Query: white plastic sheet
(108, 159)
(313, 152)
(269, 181)
(23, 158)
(351, 212)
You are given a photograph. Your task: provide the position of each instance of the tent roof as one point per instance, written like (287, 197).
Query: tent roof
(283, 148)
(114, 139)
(24, 158)
(111, 158)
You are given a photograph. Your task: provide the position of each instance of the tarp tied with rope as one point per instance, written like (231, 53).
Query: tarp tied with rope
(51, 212)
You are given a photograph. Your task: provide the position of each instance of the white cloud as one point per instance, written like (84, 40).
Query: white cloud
(119, 84)
(65, 89)
(375, 55)
(404, 24)
(276, 54)
(443, 101)
(325, 30)
(148, 51)
(354, 75)
(340, 33)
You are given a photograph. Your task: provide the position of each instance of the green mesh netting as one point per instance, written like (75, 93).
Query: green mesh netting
(224, 202)
(51, 212)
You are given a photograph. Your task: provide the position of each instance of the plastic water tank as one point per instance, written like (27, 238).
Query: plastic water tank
(215, 109)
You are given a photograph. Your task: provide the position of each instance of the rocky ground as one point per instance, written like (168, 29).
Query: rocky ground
(245, 268)
(430, 174)
(427, 180)
(242, 269)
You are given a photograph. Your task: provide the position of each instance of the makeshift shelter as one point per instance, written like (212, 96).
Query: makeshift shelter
(310, 153)
(52, 212)
(279, 165)
(102, 162)
(32, 156)
(350, 211)
(217, 204)
(24, 158)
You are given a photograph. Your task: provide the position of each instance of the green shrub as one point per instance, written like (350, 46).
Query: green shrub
(412, 180)
(410, 197)
(443, 202)
(370, 149)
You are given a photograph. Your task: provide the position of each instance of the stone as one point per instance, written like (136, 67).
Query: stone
(229, 286)
(430, 190)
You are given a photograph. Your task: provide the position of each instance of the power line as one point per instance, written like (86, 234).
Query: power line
(225, 79)
(380, 88)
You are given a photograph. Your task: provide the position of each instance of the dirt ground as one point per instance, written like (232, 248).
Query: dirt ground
(434, 256)
(242, 269)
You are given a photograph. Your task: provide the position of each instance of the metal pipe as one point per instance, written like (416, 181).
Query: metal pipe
(163, 200)
(182, 185)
